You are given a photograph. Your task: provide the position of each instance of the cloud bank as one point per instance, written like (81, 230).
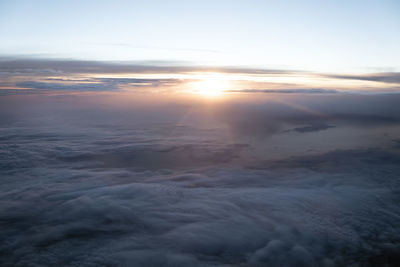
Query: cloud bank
(70, 75)
(179, 183)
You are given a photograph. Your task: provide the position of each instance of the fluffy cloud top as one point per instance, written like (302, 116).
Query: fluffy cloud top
(189, 184)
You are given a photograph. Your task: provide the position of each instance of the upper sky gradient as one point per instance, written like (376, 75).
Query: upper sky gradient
(339, 36)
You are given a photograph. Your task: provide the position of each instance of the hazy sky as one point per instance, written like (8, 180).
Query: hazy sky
(312, 35)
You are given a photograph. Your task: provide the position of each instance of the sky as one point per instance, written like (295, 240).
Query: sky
(199, 133)
(339, 36)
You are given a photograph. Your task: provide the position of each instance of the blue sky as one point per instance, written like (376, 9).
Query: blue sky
(340, 36)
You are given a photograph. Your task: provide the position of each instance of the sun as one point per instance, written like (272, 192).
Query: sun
(210, 86)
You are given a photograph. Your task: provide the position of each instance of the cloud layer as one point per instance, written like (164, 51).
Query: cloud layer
(179, 183)
(169, 76)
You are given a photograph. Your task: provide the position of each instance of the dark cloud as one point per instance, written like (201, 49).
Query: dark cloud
(352, 160)
(53, 66)
(8, 92)
(101, 84)
(396, 143)
(205, 217)
(66, 87)
(386, 77)
(311, 128)
(160, 157)
(287, 91)
(308, 113)
(136, 82)
(86, 182)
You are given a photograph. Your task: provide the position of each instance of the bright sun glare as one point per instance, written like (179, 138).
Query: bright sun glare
(210, 86)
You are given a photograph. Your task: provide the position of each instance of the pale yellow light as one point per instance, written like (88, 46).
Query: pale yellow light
(210, 86)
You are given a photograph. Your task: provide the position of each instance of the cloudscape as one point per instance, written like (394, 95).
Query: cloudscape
(199, 133)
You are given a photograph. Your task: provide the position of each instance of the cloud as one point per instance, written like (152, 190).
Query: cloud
(57, 67)
(308, 113)
(137, 82)
(87, 182)
(66, 87)
(24, 70)
(287, 91)
(9, 92)
(160, 157)
(43, 66)
(396, 143)
(286, 215)
(100, 84)
(348, 160)
(312, 128)
(386, 77)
